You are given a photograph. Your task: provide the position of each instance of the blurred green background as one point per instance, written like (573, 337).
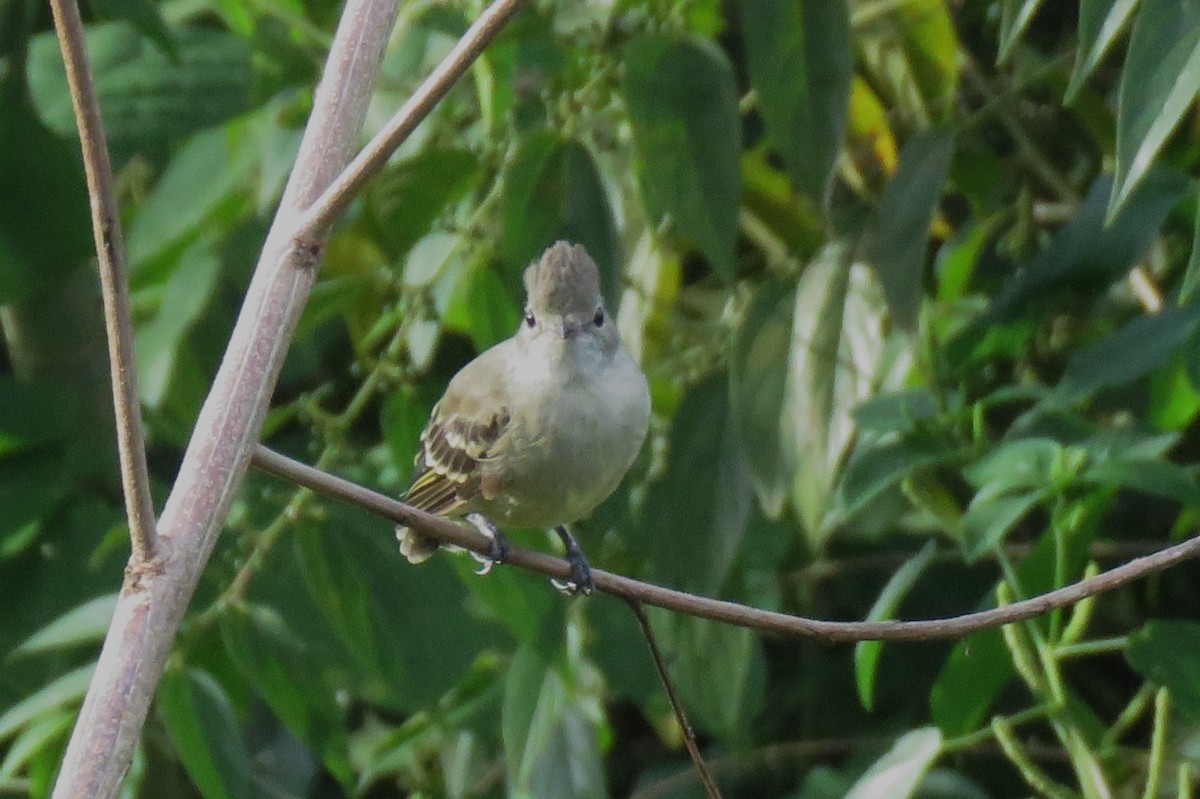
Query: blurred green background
(913, 282)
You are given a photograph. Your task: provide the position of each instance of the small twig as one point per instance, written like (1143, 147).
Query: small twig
(114, 282)
(733, 613)
(338, 195)
(689, 734)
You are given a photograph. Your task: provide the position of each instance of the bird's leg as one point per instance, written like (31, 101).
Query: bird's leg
(497, 546)
(581, 572)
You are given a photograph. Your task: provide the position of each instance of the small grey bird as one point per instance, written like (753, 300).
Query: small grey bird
(538, 430)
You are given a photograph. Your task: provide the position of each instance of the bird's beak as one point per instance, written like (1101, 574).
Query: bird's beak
(570, 329)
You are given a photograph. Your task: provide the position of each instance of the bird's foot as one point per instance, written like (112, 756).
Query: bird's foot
(497, 544)
(581, 572)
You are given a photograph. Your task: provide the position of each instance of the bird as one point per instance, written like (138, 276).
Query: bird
(538, 430)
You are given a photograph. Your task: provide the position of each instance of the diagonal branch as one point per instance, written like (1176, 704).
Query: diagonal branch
(334, 200)
(716, 609)
(150, 609)
(114, 282)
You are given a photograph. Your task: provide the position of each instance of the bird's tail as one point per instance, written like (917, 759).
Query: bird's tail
(414, 546)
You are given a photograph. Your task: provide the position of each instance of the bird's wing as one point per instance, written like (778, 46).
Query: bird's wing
(465, 429)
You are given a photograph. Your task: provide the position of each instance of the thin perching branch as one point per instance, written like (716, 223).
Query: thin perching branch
(719, 610)
(685, 726)
(114, 282)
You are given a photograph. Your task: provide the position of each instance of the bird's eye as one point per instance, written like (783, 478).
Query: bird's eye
(598, 319)
(529, 320)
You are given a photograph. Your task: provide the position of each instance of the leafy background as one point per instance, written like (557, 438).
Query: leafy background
(914, 284)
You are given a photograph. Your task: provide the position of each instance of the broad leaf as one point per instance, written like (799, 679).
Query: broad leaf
(718, 670)
(1100, 22)
(866, 653)
(1158, 85)
(1191, 277)
(898, 236)
(1090, 252)
(1137, 349)
(148, 98)
(414, 656)
(200, 720)
(800, 370)
(799, 56)
(683, 107)
(898, 774)
(550, 747)
(65, 690)
(275, 662)
(1015, 16)
(185, 297)
(404, 201)
(1168, 652)
(85, 624)
(695, 515)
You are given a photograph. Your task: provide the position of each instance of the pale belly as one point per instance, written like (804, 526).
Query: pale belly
(587, 446)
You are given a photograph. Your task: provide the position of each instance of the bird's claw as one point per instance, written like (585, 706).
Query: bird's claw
(581, 572)
(498, 547)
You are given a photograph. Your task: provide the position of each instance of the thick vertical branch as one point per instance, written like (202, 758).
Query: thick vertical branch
(150, 609)
(114, 283)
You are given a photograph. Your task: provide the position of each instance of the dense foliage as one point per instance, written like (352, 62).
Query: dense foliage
(913, 283)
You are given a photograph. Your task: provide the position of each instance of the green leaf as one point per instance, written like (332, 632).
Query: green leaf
(550, 747)
(866, 653)
(837, 353)
(31, 416)
(62, 691)
(47, 732)
(85, 624)
(971, 678)
(898, 773)
(405, 200)
(1168, 652)
(803, 360)
(143, 15)
(1191, 277)
(896, 241)
(208, 740)
(759, 384)
(695, 515)
(553, 191)
(1100, 22)
(1156, 477)
(1158, 85)
(1088, 252)
(206, 173)
(185, 297)
(31, 485)
(989, 519)
(402, 418)
(874, 469)
(482, 307)
(46, 235)
(718, 670)
(149, 99)
(800, 60)
(907, 46)
(1014, 18)
(682, 104)
(1026, 463)
(1142, 346)
(275, 662)
(411, 658)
